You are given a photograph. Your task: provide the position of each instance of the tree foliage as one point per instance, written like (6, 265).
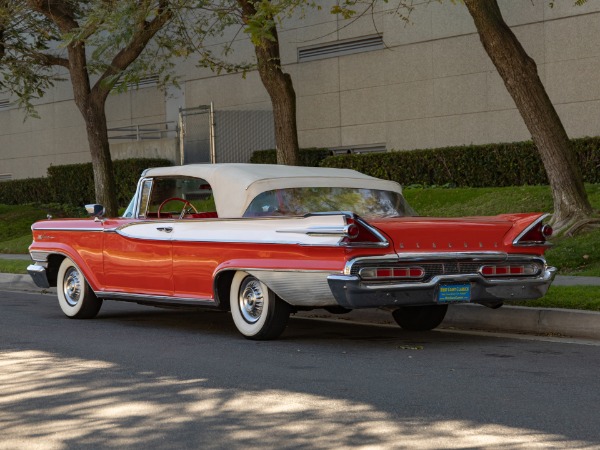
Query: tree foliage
(26, 64)
(99, 45)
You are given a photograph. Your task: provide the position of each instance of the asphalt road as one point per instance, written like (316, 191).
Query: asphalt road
(140, 377)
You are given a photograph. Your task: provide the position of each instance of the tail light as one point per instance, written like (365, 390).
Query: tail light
(392, 273)
(535, 234)
(509, 270)
(360, 234)
(547, 231)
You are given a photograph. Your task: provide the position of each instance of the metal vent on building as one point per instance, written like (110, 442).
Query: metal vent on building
(4, 104)
(5, 176)
(357, 150)
(341, 48)
(144, 83)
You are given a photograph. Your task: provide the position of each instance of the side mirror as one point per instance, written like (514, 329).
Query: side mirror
(96, 211)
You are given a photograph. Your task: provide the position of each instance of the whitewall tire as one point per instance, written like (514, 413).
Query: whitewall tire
(257, 312)
(75, 297)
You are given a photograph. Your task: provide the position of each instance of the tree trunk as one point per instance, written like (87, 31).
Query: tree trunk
(280, 88)
(92, 110)
(104, 179)
(283, 98)
(519, 73)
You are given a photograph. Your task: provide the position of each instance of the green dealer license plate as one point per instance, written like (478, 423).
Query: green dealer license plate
(450, 293)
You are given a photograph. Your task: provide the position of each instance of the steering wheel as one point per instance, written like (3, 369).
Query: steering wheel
(187, 206)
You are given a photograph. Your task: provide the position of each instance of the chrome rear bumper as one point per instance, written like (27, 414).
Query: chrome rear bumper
(353, 293)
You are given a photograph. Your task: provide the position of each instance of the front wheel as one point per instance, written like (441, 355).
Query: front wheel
(75, 296)
(257, 312)
(420, 318)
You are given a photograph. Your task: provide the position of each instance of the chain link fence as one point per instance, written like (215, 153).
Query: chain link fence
(227, 136)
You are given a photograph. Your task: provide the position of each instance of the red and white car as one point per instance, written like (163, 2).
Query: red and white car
(265, 241)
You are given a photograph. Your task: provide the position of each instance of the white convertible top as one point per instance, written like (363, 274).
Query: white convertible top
(234, 186)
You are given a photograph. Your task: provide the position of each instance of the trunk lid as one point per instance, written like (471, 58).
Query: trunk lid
(465, 234)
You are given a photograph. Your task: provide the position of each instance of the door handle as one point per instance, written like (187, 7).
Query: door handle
(165, 229)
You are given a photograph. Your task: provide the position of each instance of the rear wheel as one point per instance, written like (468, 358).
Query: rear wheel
(420, 318)
(257, 312)
(75, 297)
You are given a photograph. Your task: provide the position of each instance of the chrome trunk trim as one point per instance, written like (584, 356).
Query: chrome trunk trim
(422, 257)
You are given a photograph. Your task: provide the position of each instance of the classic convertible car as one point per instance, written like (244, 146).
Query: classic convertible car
(266, 241)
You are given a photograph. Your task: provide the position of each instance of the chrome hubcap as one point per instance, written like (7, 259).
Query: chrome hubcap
(72, 286)
(251, 300)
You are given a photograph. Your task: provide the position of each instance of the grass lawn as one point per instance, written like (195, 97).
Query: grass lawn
(15, 222)
(570, 297)
(13, 265)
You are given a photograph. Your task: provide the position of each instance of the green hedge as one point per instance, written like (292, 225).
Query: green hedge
(309, 157)
(492, 165)
(30, 190)
(74, 184)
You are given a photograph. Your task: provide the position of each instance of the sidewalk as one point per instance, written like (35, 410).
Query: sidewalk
(514, 319)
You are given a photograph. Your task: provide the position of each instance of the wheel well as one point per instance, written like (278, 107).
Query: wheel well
(222, 288)
(54, 262)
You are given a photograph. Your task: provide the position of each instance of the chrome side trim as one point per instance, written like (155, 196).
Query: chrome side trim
(319, 231)
(526, 230)
(147, 221)
(66, 229)
(156, 299)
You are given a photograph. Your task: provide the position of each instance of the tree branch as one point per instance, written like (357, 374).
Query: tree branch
(56, 11)
(51, 60)
(4, 14)
(127, 55)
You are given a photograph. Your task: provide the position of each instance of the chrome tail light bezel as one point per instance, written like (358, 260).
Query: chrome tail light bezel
(544, 231)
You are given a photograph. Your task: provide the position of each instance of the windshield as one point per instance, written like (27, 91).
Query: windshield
(301, 201)
(169, 195)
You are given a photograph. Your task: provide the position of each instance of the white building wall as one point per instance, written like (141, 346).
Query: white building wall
(433, 85)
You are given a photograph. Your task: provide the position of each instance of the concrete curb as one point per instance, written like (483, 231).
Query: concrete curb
(515, 319)
(18, 282)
